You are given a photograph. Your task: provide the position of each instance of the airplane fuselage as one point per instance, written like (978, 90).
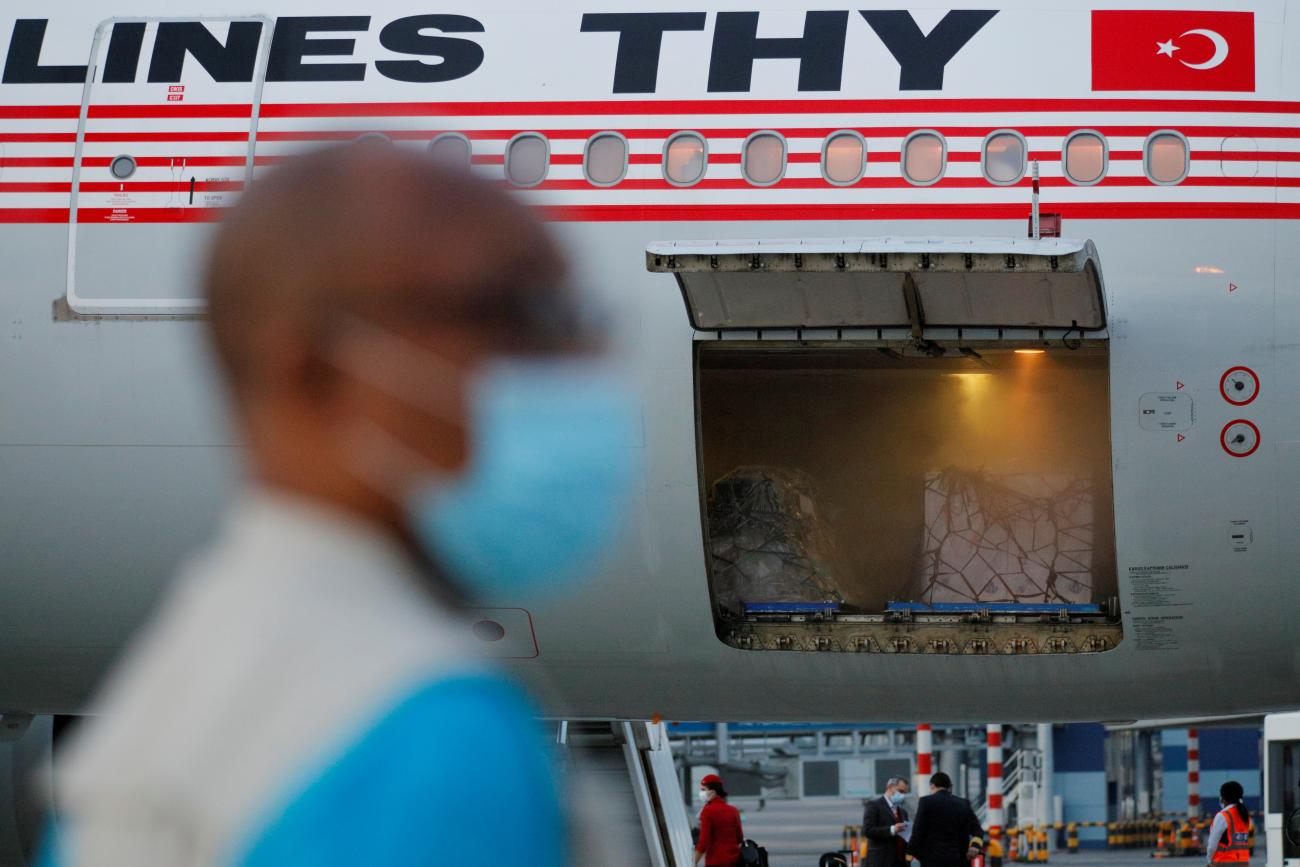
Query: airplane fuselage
(122, 140)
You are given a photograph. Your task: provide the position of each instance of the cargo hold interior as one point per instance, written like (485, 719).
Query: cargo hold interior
(864, 480)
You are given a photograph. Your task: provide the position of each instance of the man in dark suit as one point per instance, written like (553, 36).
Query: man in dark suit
(946, 832)
(883, 822)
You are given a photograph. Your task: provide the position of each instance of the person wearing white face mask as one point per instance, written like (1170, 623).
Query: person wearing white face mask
(426, 425)
(884, 824)
(721, 835)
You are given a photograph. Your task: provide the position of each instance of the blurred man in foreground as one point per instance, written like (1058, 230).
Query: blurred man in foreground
(425, 424)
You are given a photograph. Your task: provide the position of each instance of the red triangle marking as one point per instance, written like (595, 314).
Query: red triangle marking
(1181, 437)
(1232, 287)
(1178, 385)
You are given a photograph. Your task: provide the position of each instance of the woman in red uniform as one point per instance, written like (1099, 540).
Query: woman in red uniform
(720, 831)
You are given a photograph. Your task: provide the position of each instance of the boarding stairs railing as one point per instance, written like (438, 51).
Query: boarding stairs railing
(1022, 780)
(629, 779)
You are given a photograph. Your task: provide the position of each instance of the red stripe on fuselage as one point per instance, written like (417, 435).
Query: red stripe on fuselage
(631, 133)
(40, 112)
(788, 132)
(195, 110)
(641, 107)
(33, 215)
(768, 106)
(577, 184)
(897, 183)
(1017, 212)
(792, 213)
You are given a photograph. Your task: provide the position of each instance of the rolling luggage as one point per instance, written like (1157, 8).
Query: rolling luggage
(752, 854)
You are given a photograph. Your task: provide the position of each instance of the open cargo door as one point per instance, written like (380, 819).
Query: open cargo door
(887, 282)
(904, 444)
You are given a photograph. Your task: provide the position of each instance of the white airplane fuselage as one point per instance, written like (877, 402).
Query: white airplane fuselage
(115, 452)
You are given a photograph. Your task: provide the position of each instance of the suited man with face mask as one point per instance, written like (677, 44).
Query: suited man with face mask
(426, 424)
(884, 822)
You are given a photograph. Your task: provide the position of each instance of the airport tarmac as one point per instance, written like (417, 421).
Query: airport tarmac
(796, 833)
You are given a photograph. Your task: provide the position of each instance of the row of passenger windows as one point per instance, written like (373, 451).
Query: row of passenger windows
(1004, 157)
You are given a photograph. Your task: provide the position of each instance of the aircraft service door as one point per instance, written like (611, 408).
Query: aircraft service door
(165, 141)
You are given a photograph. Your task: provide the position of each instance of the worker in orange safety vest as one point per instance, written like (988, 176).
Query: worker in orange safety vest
(1229, 841)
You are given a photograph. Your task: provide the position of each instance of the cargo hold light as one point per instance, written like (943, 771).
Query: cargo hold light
(1030, 351)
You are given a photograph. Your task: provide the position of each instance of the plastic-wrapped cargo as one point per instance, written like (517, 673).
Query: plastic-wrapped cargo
(1007, 538)
(767, 544)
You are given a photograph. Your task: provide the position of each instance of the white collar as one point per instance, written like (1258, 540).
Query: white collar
(284, 525)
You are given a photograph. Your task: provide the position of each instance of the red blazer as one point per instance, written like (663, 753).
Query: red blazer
(720, 833)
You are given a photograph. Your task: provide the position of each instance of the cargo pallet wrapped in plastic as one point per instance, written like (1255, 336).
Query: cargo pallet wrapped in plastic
(1024, 538)
(767, 544)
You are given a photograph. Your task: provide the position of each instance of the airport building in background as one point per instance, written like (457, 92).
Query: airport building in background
(1088, 773)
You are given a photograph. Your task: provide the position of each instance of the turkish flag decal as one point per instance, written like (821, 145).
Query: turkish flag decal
(1173, 50)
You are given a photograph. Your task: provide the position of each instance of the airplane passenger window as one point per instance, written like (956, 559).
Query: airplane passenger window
(844, 158)
(527, 158)
(924, 154)
(604, 162)
(686, 156)
(451, 148)
(1003, 158)
(763, 158)
(1166, 159)
(1084, 157)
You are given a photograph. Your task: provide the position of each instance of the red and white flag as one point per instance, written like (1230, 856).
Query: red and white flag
(1173, 50)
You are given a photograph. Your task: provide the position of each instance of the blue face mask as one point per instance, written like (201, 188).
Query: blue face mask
(552, 471)
(553, 467)
(896, 798)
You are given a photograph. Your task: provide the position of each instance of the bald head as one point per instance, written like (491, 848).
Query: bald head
(354, 293)
(374, 231)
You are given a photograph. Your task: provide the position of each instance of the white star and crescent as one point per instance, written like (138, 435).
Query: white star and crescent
(1167, 48)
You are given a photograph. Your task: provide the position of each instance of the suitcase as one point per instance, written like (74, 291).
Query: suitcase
(752, 854)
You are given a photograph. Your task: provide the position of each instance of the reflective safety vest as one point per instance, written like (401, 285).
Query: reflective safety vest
(1234, 845)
